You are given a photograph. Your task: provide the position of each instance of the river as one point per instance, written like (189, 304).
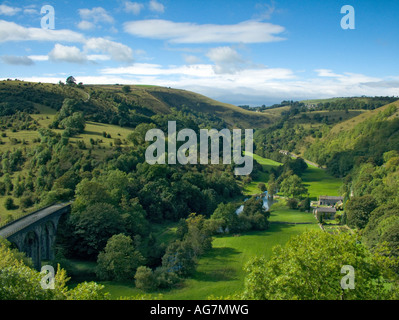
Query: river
(266, 203)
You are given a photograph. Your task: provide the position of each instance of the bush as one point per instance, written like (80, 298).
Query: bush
(9, 204)
(149, 280)
(120, 260)
(165, 279)
(292, 203)
(305, 204)
(126, 89)
(26, 201)
(145, 279)
(262, 187)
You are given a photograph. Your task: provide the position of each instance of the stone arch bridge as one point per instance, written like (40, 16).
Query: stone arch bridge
(35, 233)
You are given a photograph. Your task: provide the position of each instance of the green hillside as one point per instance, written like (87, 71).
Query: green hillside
(102, 101)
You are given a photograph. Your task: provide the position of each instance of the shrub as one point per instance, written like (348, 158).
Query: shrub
(165, 279)
(292, 203)
(145, 278)
(9, 204)
(26, 201)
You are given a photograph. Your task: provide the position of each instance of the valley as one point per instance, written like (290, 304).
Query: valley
(178, 224)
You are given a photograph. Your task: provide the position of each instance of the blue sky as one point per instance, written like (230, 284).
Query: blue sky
(240, 52)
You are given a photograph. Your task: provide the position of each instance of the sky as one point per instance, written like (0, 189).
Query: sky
(241, 52)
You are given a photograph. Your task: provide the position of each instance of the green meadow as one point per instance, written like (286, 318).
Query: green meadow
(320, 183)
(220, 272)
(317, 180)
(267, 164)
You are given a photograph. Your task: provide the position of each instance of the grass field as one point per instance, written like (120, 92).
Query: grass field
(220, 272)
(267, 164)
(317, 180)
(280, 213)
(320, 183)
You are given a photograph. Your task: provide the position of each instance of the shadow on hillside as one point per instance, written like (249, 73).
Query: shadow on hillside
(92, 133)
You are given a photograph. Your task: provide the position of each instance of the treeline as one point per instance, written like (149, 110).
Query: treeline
(293, 104)
(364, 103)
(373, 205)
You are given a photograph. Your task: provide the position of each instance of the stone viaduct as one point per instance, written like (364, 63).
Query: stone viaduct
(35, 233)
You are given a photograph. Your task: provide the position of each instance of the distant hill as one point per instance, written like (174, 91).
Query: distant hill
(104, 100)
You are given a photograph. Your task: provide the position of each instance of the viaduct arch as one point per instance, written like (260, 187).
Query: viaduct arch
(35, 233)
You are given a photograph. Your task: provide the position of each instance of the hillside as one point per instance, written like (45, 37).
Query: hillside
(103, 101)
(300, 125)
(358, 140)
(351, 123)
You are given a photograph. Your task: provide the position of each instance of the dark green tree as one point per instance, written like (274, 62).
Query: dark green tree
(94, 226)
(358, 210)
(119, 260)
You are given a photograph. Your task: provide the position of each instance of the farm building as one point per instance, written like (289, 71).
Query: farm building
(329, 201)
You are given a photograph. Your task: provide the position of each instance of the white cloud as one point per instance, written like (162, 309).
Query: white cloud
(156, 6)
(117, 51)
(191, 59)
(90, 57)
(96, 15)
(18, 61)
(8, 11)
(30, 11)
(86, 25)
(327, 73)
(98, 57)
(202, 74)
(254, 86)
(147, 69)
(133, 7)
(69, 54)
(10, 31)
(226, 60)
(176, 32)
(38, 57)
